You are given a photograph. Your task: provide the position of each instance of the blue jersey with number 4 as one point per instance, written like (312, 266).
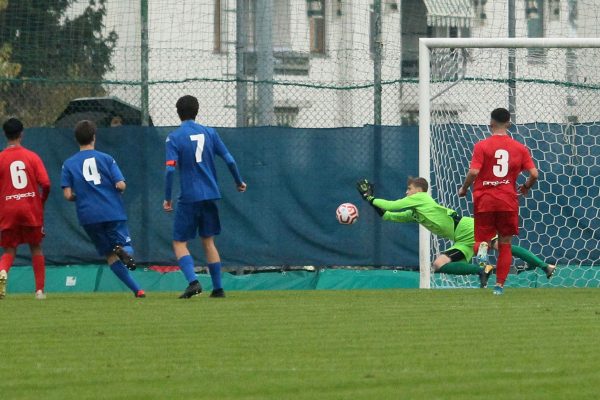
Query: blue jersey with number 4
(92, 176)
(192, 147)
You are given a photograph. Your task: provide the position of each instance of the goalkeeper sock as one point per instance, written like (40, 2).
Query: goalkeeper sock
(215, 275)
(6, 261)
(186, 264)
(504, 261)
(123, 274)
(39, 271)
(459, 268)
(532, 261)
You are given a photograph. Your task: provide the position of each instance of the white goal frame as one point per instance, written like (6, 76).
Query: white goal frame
(425, 45)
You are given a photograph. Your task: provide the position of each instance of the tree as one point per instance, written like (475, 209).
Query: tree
(60, 57)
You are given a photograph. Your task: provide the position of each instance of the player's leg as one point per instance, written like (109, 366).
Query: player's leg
(209, 226)
(485, 231)
(9, 240)
(184, 229)
(103, 236)
(531, 259)
(39, 270)
(34, 236)
(214, 266)
(5, 263)
(507, 225)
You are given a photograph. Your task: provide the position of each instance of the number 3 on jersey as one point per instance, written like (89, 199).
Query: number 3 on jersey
(199, 145)
(90, 171)
(501, 168)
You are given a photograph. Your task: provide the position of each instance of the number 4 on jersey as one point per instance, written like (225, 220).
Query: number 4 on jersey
(90, 171)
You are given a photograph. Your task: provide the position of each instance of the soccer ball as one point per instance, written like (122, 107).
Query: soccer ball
(347, 213)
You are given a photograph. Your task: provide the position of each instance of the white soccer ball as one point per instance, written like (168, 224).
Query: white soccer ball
(346, 213)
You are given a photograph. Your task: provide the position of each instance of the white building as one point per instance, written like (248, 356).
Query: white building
(323, 57)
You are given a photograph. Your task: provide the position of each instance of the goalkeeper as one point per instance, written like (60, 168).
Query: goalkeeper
(418, 206)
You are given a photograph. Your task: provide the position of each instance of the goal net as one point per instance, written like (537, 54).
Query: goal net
(552, 88)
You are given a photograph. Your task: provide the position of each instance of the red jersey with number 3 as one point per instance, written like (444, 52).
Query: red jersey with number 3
(22, 174)
(500, 159)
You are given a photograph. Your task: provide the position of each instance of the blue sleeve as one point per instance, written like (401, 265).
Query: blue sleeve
(233, 168)
(66, 179)
(222, 151)
(169, 173)
(171, 150)
(115, 173)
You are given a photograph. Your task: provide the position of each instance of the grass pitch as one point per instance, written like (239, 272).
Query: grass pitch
(386, 344)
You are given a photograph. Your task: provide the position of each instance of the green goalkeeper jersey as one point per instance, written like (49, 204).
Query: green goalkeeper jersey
(423, 209)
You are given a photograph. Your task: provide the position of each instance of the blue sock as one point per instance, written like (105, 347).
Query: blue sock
(215, 275)
(123, 274)
(186, 264)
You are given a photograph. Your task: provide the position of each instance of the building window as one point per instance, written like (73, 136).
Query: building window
(554, 10)
(281, 34)
(480, 14)
(534, 14)
(316, 16)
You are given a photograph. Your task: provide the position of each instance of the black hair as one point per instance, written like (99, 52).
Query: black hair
(85, 132)
(12, 128)
(501, 115)
(187, 107)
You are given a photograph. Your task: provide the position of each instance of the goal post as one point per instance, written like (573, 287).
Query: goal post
(557, 115)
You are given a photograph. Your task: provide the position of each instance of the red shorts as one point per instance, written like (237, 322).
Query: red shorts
(21, 235)
(490, 224)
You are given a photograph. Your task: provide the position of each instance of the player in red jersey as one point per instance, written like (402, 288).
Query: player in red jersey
(24, 188)
(496, 163)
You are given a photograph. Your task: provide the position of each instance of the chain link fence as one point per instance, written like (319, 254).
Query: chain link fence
(297, 63)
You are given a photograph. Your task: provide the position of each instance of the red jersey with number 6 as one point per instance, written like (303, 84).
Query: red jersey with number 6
(22, 175)
(500, 159)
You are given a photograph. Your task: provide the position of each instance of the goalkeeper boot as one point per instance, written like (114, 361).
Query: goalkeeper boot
(125, 257)
(217, 293)
(498, 290)
(482, 255)
(484, 275)
(40, 295)
(3, 279)
(140, 294)
(193, 289)
(550, 270)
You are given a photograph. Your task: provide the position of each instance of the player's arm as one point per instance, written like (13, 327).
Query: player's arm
(402, 216)
(43, 180)
(66, 182)
(222, 151)
(474, 168)
(469, 179)
(171, 156)
(531, 180)
(68, 194)
(169, 176)
(365, 188)
(121, 186)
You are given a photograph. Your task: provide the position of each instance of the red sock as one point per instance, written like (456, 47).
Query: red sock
(39, 271)
(504, 261)
(6, 261)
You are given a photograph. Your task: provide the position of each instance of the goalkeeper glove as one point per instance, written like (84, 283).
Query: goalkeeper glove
(365, 189)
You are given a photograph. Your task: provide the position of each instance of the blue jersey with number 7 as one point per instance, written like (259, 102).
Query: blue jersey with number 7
(92, 176)
(192, 147)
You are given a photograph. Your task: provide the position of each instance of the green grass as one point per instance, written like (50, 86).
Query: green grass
(387, 344)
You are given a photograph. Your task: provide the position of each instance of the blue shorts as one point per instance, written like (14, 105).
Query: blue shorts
(106, 235)
(200, 218)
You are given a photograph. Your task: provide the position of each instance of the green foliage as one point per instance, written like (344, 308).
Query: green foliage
(55, 53)
(386, 344)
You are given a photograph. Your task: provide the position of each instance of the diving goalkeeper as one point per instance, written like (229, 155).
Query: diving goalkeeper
(418, 206)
